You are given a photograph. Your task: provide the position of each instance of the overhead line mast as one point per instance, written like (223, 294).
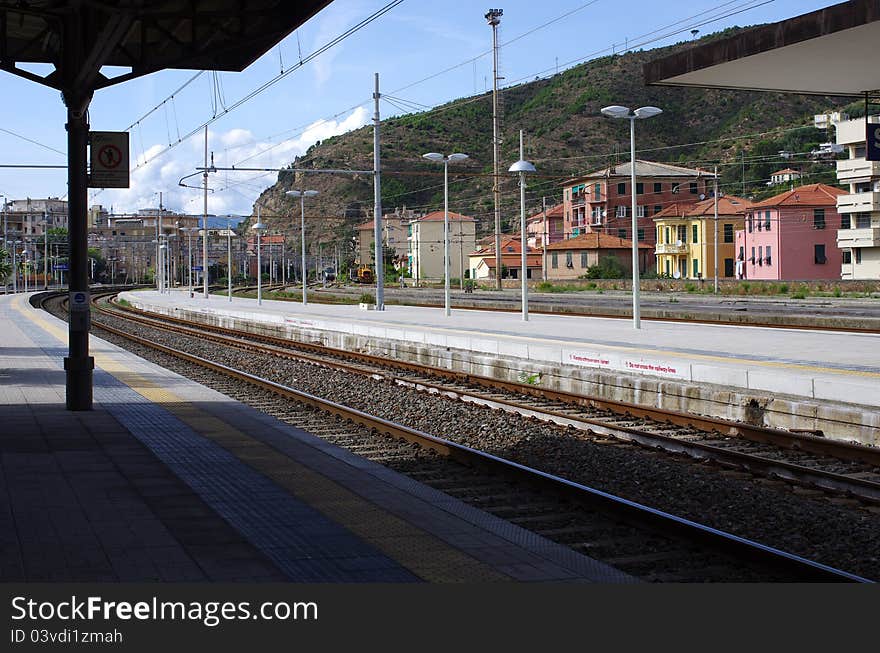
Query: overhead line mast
(493, 18)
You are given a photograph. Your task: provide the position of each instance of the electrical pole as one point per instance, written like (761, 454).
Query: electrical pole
(544, 239)
(493, 17)
(715, 193)
(205, 222)
(377, 207)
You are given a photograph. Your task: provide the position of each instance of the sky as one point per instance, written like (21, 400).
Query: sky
(425, 52)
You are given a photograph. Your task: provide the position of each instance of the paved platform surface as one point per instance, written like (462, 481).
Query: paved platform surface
(819, 365)
(167, 480)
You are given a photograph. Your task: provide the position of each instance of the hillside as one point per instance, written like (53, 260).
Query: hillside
(565, 135)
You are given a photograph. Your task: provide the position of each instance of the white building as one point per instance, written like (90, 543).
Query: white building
(425, 255)
(31, 217)
(859, 234)
(783, 176)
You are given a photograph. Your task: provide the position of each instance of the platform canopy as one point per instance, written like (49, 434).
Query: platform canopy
(79, 37)
(832, 51)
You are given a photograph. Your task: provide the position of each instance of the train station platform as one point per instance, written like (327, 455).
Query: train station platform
(786, 378)
(167, 480)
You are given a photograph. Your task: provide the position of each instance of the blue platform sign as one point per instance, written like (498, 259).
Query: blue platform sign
(872, 139)
(197, 268)
(62, 266)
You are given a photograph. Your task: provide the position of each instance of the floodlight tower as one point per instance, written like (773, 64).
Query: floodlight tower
(493, 18)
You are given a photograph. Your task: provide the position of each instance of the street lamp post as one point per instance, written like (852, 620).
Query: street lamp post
(189, 255)
(302, 195)
(229, 258)
(259, 227)
(446, 160)
(617, 111)
(521, 167)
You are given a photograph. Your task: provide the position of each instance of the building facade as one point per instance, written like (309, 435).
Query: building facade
(425, 245)
(686, 237)
(602, 201)
(483, 261)
(859, 234)
(32, 217)
(570, 258)
(792, 236)
(395, 233)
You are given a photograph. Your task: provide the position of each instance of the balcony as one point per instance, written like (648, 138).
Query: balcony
(853, 170)
(847, 238)
(670, 248)
(858, 202)
(577, 201)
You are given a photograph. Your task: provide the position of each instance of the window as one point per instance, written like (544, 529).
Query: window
(847, 256)
(728, 233)
(554, 260)
(752, 259)
(819, 254)
(621, 233)
(742, 253)
(749, 222)
(863, 220)
(768, 260)
(668, 240)
(641, 233)
(819, 219)
(860, 151)
(767, 220)
(567, 193)
(696, 268)
(569, 263)
(761, 255)
(728, 267)
(658, 187)
(760, 224)
(640, 188)
(683, 233)
(693, 187)
(858, 251)
(584, 259)
(844, 221)
(657, 208)
(695, 232)
(622, 212)
(640, 211)
(621, 189)
(597, 192)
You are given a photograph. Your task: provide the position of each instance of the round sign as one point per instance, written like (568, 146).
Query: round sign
(109, 156)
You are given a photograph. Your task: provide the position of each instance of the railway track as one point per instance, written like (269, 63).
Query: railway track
(647, 543)
(838, 467)
(644, 542)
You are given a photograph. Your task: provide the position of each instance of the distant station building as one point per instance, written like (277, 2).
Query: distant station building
(32, 217)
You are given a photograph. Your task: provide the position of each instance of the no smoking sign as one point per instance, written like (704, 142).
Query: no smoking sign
(109, 160)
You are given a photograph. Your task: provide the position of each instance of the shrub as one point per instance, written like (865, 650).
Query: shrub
(367, 298)
(800, 294)
(783, 289)
(689, 287)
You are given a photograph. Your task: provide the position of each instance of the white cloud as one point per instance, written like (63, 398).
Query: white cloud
(233, 192)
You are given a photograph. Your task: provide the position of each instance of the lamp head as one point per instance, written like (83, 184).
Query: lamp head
(310, 193)
(616, 111)
(647, 112)
(522, 166)
(259, 226)
(458, 156)
(433, 156)
(293, 193)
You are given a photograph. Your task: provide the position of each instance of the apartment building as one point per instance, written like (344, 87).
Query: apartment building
(686, 237)
(545, 227)
(859, 235)
(394, 236)
(792, 236)
(31, 217)
(602, 201)
(570, 258)
(425, 240)
(483, 264)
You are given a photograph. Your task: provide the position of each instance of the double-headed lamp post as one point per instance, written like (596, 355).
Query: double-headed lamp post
(259, 227)
(522, 167)
(446, 160)
(616, 111)
(302, 195)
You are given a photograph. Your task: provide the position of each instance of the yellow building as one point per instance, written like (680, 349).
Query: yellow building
(686, 238)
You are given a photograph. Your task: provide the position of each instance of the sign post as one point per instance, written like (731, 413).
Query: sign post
(109, 160)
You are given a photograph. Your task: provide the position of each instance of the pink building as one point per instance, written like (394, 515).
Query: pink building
(545, 227)
(791, 236)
